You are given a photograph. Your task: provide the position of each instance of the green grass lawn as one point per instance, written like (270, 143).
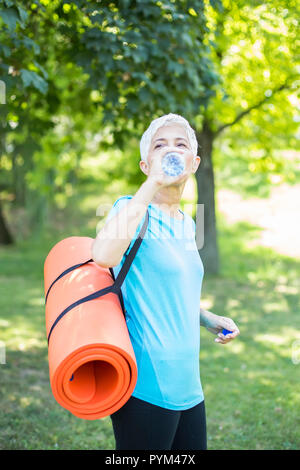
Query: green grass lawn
(251, 385)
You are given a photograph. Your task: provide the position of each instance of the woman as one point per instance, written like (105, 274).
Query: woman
(161, 295)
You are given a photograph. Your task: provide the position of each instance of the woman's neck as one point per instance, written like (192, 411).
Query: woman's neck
(168, 198)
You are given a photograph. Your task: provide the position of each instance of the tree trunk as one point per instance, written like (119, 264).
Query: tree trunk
(5, 236)
(206, 195)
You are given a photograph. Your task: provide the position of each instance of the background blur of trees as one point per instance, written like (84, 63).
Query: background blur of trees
(85, 77)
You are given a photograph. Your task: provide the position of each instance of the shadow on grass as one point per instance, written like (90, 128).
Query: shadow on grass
(30, 416)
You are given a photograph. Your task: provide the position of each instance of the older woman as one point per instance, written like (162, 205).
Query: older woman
(161, 295)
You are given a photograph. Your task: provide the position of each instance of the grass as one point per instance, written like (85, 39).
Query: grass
(251, 385)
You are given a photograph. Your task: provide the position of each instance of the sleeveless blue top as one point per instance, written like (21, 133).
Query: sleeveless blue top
(161, 295)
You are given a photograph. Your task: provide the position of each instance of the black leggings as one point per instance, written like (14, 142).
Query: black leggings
(141, 425)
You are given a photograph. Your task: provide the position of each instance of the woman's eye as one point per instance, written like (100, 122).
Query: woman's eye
(159, 145)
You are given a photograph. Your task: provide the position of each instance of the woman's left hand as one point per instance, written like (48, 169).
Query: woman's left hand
(216, 323)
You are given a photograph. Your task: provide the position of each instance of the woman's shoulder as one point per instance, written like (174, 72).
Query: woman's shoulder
(118, 204)
(122, 199)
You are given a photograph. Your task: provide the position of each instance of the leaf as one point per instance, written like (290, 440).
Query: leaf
(176, 68)
(217, 5)
(144, 94)
(23, 14)
(6, 50)
(186, 38)
(32, 78)
(44, 72)
(192, 12)
(10, 17)
(29, 43)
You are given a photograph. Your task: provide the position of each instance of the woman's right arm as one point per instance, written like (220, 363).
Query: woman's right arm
(114, 238)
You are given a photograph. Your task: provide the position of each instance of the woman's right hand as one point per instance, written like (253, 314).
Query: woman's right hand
(156, 173)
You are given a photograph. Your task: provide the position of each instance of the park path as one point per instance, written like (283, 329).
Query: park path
(277, 215)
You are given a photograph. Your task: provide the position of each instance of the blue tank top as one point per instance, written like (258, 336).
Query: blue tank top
(161, 295)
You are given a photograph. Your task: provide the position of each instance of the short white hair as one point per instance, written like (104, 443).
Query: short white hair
(167, 119)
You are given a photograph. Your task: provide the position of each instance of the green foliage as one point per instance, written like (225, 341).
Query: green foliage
(19, 69)
(81, 79)
(132, 54)
(44, 120)
(72, 69)
(254, 46)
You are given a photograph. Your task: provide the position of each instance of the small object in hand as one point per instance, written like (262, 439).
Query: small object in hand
(173, 164)
(226, 332)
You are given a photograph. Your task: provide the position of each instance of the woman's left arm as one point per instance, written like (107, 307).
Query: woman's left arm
(215, 324)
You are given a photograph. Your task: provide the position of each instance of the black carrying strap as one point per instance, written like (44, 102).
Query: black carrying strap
(115, 287)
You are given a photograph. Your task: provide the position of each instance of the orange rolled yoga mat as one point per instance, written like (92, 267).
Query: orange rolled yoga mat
(92, 366)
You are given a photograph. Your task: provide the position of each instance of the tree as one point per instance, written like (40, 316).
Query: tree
(253, 74)
(119, 47)
(118, 65)
(253, 47)
(138, 54)
(25, 78)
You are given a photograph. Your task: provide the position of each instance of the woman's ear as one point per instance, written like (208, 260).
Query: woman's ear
(196, 163)
(144, 167)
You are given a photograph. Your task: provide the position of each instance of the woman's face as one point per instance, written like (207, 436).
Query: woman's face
(173, 135)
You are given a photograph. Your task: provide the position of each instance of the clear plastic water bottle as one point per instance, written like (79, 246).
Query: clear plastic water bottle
(173, 163)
